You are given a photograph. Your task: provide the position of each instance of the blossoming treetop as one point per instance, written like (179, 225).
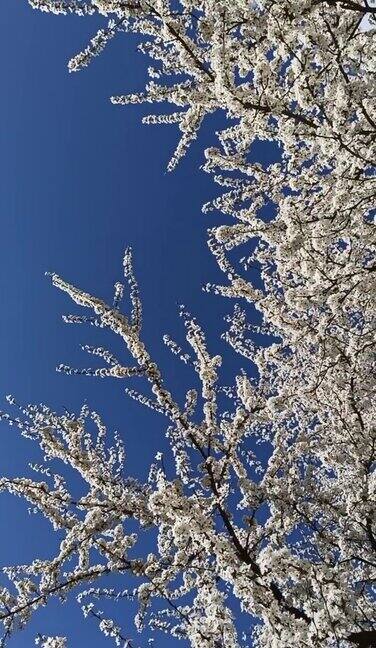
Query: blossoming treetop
(288, 533)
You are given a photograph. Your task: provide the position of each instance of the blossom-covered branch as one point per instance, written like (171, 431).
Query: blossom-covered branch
(271, 503)
(306, 571)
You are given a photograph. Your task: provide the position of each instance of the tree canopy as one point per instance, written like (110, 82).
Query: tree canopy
(266, 507)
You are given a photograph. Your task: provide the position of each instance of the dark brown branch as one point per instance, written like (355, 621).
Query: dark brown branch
(363, 639)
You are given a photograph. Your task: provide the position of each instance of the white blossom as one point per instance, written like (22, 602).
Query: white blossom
(268, 495)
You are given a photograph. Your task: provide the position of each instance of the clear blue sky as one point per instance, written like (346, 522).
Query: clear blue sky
(79, 180)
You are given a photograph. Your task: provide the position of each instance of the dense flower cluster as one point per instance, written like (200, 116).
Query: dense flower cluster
(273, 498)
(50, 642)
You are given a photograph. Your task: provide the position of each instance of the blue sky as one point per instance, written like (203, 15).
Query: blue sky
(79, 180)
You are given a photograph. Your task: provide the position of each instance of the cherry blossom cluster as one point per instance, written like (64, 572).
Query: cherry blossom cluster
(50, 642)
(266, 505)
(272, 502)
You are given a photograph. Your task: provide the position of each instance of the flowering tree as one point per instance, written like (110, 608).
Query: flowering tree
(288, 533)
